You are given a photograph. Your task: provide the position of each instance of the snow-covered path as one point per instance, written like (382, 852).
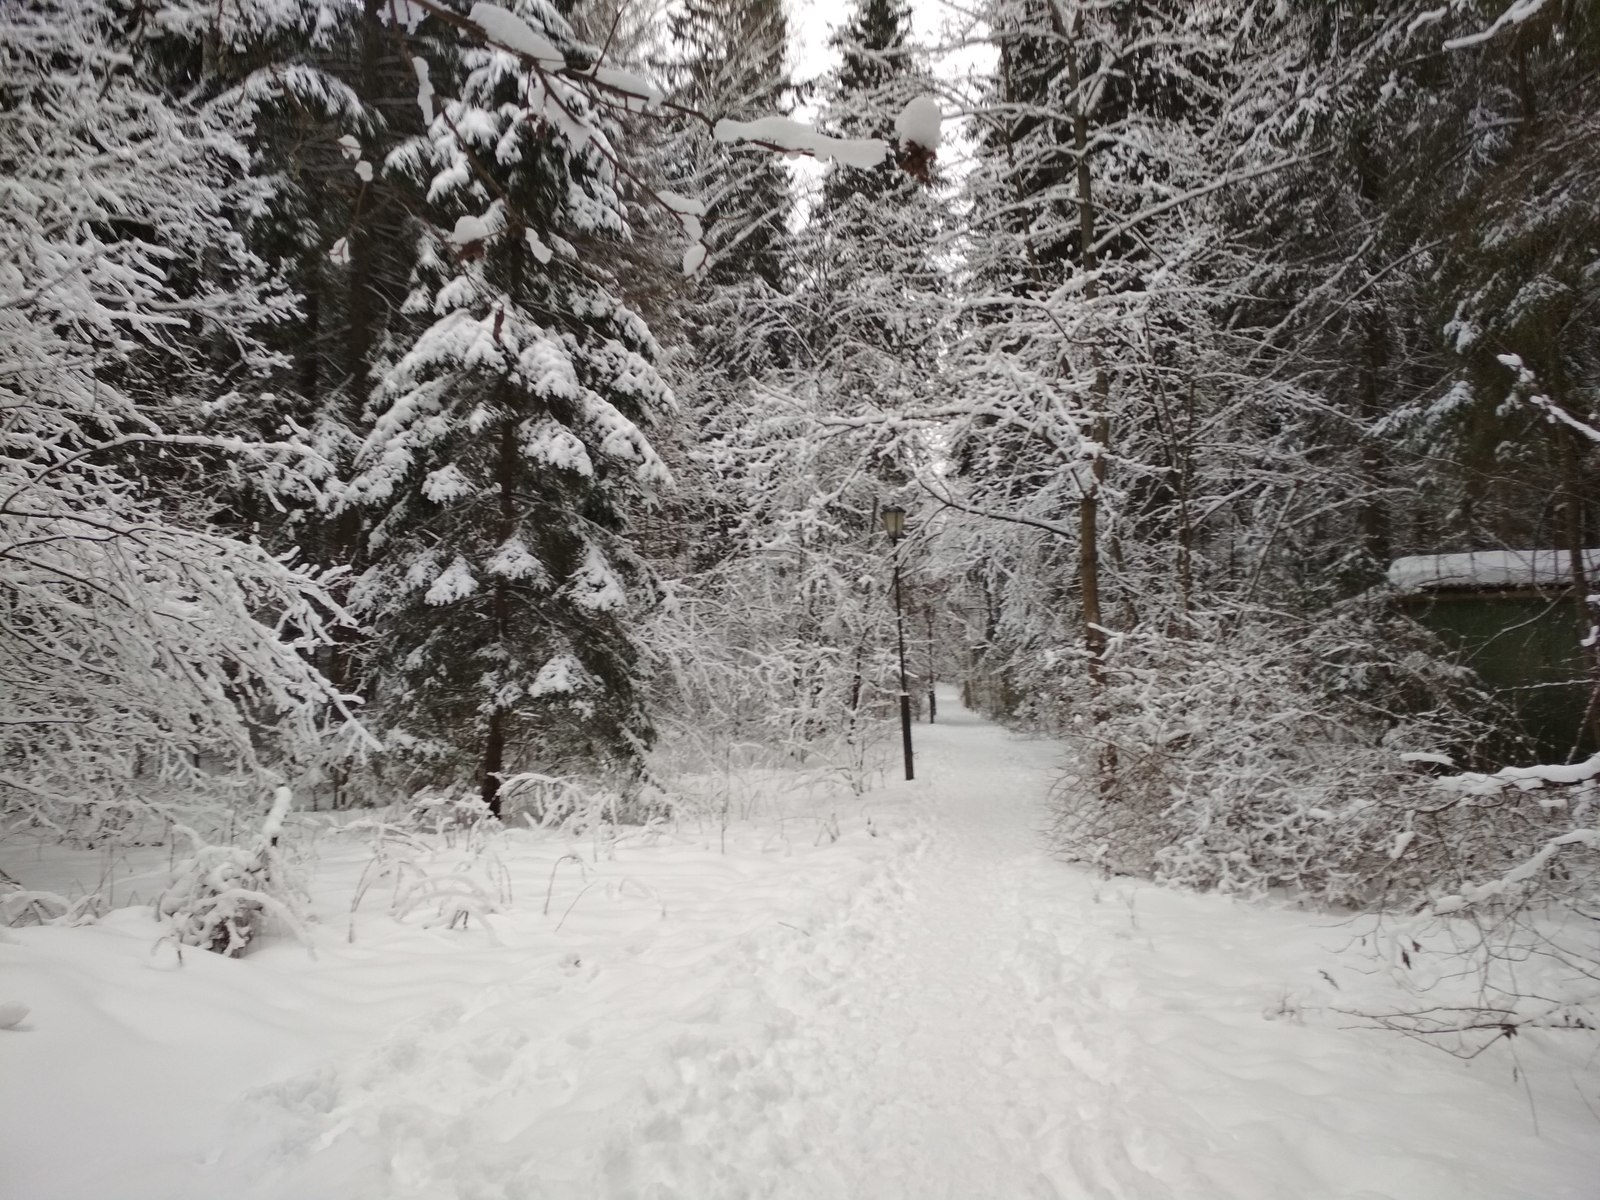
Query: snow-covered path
(929, 1008)
(921, 1057)
(914, 1057)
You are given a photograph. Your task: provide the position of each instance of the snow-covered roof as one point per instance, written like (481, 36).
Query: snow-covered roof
(1488, 569)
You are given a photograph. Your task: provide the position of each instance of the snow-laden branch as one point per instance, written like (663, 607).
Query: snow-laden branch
(1520, 11)
(788, 136)
(945, 497)
(1522, 778)
(1579, 776)
(1527, 389)
(917, 126)
(1558, 414)
(1232, 179)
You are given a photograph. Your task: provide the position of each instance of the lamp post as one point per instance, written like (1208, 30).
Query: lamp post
(894, 524)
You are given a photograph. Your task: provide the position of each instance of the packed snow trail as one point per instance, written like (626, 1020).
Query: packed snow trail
(917, 1056)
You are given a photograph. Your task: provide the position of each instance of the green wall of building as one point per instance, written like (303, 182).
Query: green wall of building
(1525, 648)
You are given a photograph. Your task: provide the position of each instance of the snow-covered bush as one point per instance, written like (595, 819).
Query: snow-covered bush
(221, 895)
(563, 802)
(446, 813)
(1514, 944)
(26, 906)
(441, 859)
(1252, 759)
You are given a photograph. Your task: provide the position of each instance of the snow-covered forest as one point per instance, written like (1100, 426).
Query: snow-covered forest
(496, 497)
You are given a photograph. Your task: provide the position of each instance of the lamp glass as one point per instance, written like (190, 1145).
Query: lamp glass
(894, 521)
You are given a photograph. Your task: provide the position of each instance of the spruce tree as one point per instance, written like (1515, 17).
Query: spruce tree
(319, 93)
(872, 291)
(508, 434)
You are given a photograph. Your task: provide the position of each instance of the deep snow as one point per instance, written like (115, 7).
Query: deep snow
(927, 1007)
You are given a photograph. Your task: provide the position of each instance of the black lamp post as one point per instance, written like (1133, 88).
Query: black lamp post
(894, 524)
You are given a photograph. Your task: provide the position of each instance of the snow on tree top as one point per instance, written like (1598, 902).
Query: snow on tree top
(1487, 569)
(918, 122)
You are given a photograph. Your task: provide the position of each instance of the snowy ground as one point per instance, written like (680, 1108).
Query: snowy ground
(925, 1007)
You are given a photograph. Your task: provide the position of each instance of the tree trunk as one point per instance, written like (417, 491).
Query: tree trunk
(1094, 634)
(494, 760)
(1094, 637)
(1372, 516)
(363, 244)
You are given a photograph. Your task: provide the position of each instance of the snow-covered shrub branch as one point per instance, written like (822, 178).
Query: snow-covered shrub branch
(1505, 938)
(1252, 757)
(152, 663)
(221, 894)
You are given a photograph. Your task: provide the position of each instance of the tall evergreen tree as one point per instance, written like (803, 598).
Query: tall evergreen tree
(872, 290)
(508, 434)
(319, 92)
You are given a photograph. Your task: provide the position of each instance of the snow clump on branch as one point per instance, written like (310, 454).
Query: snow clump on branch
(916, 129)
(918, 123)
